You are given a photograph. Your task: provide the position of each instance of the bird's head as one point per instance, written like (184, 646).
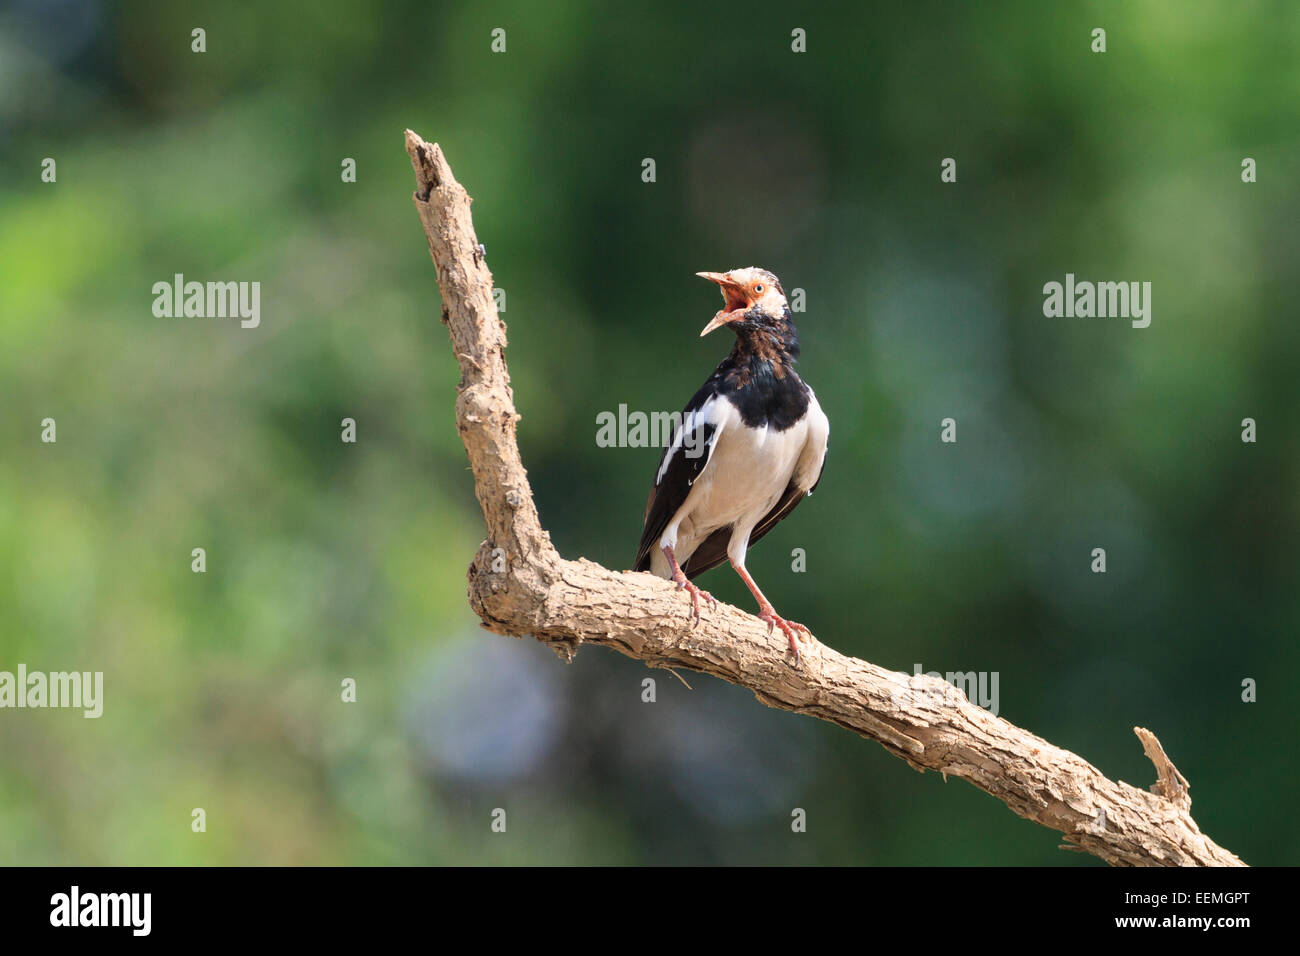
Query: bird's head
(750, 296)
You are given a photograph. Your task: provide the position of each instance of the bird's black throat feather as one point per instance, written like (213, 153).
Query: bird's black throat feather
(758, 377)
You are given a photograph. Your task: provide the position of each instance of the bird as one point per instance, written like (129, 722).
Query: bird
(751, 445)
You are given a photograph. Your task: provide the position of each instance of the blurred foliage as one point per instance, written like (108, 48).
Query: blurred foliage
(328, 560)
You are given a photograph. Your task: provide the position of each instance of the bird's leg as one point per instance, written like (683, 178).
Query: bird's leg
(684, 582)
(767, 613)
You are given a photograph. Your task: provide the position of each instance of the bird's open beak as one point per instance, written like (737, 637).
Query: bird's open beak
(736, 299)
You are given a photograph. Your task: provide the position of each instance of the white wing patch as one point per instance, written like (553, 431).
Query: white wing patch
(710, 413)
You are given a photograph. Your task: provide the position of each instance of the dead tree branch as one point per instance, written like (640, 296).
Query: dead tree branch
(563, 603)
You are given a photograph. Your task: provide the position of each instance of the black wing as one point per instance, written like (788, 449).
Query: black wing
(681, 464)
(713, 550)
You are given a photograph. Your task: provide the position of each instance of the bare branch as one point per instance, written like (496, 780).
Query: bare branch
(1170, 784)
(566, 603)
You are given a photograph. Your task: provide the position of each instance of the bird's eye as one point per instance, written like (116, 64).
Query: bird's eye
(759, 288)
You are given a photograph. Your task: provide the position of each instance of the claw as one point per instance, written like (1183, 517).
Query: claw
(791, 629)
(696, 592)
(683, 581)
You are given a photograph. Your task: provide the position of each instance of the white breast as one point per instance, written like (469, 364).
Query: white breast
(748, 472)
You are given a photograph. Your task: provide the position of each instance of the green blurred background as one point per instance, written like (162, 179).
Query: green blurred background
(328, 560)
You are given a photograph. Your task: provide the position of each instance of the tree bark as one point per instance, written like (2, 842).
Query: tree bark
(519, 585)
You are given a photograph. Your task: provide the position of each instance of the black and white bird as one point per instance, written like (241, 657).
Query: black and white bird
(750, 447)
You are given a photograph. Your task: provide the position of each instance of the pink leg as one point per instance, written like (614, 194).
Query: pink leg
(768, 613)
(683, 582)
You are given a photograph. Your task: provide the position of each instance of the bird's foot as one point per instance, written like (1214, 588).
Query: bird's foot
(696, 593)
(793, 630)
